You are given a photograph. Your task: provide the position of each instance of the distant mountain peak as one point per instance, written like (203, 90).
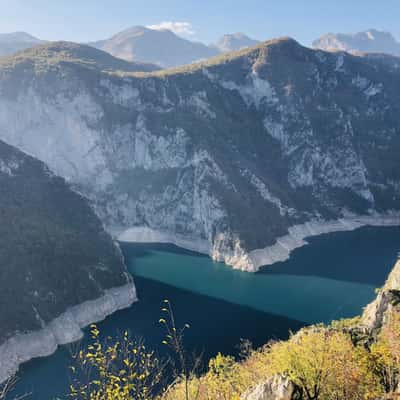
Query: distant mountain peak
(369, 41)
(235, 41)
(236, 35)
(18, 36)
(15, 41)
(158, 46)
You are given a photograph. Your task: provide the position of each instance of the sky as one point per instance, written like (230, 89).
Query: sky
(202, 20)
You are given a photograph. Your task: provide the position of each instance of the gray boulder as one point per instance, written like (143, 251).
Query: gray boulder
(275, 388)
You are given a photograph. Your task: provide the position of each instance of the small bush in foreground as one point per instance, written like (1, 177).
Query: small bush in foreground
(115, 370)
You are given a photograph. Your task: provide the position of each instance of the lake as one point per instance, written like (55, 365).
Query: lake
(334, 277)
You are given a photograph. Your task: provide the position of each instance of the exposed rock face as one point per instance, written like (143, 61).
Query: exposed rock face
(275, 388)
(12, 42)
(255, 150)
(375, 313)
(59, 269)
(235, 41)
(371, 41)
(161, 47)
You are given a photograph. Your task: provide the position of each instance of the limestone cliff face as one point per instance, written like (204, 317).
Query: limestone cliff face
(376, 313)
(244, 155)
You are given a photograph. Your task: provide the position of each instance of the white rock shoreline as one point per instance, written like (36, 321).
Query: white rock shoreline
(298, 233)
(255, 259)
(66, 328)
(148, 235)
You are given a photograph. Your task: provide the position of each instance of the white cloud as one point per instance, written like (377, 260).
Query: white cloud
(180, 28)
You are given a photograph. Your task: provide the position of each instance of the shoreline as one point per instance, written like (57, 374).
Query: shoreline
(297, 235)
(67, 327)
(148, 235)
(64, 329)
(254, 260)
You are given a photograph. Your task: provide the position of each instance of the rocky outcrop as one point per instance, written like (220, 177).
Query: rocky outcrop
(241, 157)
(376, 313)
(275, 388)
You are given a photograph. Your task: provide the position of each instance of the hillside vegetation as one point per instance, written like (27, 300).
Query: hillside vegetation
(42, 260)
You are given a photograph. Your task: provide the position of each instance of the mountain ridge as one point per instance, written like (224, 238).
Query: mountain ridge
(58, 52)
(231, 153)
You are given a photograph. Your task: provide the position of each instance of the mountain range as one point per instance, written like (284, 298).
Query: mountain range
(240, 157)
(167, 49)
(164, 48)
(143, 45)
(370, 41)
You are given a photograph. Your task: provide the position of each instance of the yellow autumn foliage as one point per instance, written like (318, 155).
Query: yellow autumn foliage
(324, 363)
(117, 370)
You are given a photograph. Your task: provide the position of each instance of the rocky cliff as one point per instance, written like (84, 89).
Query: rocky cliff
(241, 157)
(59, 269)
(377, 313)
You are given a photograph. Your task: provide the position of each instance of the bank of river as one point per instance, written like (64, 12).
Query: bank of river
(333, 277)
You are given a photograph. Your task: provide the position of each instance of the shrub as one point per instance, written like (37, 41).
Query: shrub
(386, 353)
(325, 364)
(116, 370)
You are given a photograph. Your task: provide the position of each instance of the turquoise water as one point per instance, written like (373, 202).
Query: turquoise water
(309, 299)
(333, 277)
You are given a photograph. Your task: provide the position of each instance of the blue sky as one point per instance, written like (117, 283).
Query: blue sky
(86, 20)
